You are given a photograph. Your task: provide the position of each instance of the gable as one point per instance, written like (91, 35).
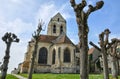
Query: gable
(62, 39)
(55, 39)
(58, 17)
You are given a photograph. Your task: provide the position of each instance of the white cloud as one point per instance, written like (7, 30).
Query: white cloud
(17, 26)
(22, 30)
(111, 36)
(48, 10)
(16, 1)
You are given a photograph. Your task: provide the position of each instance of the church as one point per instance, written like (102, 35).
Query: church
(56, 53)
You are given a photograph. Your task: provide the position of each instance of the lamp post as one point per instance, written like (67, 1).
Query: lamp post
(8, 38)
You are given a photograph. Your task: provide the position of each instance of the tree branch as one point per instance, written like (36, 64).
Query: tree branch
(79, 6)
(98, 6)
(73, 3)
(91, 43)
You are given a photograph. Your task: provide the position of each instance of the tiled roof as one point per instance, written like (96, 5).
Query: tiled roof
(55, 39)
(91, 51)
(62, 39)
(47, 38)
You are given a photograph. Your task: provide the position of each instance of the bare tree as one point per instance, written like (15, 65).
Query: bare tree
(105, 45)
(81, 18)
(8, 38)
(114, 57)
(36, 37)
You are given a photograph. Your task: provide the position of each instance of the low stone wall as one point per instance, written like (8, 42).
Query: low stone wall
(42, 69)
(63, 70)
(24, 70)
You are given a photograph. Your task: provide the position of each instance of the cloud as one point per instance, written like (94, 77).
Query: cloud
(23, 30)
(48, 10)
(111, 36)
(17, 26)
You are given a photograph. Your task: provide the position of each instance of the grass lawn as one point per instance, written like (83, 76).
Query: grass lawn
(64, 76)
(9, 76)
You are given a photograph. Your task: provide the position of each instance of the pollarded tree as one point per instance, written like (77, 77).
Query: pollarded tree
(105, 45)
(8, 38)
(81, 18)
(114, 57)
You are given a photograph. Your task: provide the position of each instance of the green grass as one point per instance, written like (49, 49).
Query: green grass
(9, 76)
(64, 76)
(53, 76)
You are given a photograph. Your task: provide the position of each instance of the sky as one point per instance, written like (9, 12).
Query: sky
(22, 17)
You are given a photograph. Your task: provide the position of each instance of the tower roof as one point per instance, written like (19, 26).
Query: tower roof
(57, 17)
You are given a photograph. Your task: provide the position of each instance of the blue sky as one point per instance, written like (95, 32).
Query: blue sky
(21, 17)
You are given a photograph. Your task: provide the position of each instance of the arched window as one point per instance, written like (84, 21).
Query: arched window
(53, 56)
(54, 29)
(42, 56)
(67, 55)
(61, 29)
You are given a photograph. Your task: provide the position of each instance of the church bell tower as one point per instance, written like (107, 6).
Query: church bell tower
(57, 25)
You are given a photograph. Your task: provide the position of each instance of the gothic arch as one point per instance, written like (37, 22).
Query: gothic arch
(67, 55)
(43, 55)
(53, 56)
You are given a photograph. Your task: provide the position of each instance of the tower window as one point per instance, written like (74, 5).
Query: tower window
(61, 29)
(54, 29)
(58, 19)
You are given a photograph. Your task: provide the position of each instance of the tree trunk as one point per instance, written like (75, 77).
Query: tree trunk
(83, 52)
(105, 64)
(5, 62)
(114, 68)
(118, 66)
(33, 60)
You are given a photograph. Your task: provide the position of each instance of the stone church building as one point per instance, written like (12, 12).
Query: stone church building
(56, 53)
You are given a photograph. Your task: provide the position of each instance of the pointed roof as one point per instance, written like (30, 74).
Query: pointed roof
(47, 38)
(62, 38)
(58, 15)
